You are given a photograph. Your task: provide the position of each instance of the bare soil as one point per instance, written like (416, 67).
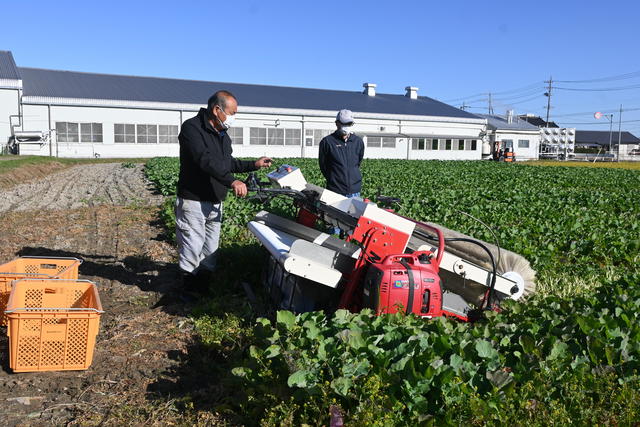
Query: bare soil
(28, 173)
(105, 214)
(79, 186)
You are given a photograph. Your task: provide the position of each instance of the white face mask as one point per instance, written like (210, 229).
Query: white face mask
(229, 121)
(346, 130)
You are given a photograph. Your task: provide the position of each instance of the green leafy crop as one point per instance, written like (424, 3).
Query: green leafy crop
(569, 355)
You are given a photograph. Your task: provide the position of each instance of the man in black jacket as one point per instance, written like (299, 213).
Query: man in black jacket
(206, 174)
(340, 155)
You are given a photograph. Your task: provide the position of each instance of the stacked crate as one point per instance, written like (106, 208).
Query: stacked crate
(52, 317)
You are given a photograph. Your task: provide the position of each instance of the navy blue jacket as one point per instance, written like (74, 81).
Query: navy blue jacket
(206, 164)
(340, 162)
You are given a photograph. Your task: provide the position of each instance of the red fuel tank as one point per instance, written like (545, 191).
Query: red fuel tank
(407, 283)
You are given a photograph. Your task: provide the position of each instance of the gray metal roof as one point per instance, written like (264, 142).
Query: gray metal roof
(78, 85)
(8, 69)
(601, 137)
(500, 123)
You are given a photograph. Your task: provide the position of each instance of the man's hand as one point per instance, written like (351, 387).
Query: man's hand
(239, 188)
(263, 162)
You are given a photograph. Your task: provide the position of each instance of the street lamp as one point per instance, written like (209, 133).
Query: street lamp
(599, 115)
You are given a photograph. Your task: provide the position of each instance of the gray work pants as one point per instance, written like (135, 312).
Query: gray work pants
(197, 232)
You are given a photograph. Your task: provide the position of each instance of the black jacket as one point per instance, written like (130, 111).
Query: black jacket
(206, 164)
(340, 162)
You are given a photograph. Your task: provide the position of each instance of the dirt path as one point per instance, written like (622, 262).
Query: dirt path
(81, 186)
(106, 215)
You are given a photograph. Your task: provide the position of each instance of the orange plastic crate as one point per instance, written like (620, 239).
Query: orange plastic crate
(52, 324)
(34, 268)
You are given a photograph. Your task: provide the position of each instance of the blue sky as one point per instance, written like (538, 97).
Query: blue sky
(449, 49)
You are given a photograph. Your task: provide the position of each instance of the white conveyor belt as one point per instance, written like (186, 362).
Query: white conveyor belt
(279, 243)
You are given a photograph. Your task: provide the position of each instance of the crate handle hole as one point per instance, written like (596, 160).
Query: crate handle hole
(48, 266)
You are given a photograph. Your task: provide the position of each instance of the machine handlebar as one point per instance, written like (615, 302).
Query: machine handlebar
(438, 232)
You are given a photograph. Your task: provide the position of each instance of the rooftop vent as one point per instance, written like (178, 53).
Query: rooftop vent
(369, 89)
(411, 92)
(509, 116)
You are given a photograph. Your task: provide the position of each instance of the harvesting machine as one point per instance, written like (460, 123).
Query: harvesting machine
(386, 262)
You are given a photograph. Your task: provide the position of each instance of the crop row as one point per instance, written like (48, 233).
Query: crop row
(568, 355)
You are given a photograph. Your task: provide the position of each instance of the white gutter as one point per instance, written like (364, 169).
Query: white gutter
(85, 102)
(10, 84)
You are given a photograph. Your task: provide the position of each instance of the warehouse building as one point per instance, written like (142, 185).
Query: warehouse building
(628, 149)
(509, 131)
(75, 114)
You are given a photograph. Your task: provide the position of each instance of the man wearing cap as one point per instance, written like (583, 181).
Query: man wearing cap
(340, 155)
(206, 175)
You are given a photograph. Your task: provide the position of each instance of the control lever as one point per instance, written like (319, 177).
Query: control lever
(264, 191)
(253, 184)
(386, 201)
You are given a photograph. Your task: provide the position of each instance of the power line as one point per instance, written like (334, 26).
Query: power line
(606, 89)
(519, 102)
(598, 123)
(528, 93)
(525, 100)
(465, 97)
(522, 89)
(631, 75)
(610, 110)
(528, 87)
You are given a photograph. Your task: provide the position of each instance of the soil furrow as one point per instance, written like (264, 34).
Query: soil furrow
(106, 215)
(82, 185)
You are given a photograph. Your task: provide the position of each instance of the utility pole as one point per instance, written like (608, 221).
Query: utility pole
(464, 106)
(610, 134)
(490, 104)
(548, 95)
(619, 132)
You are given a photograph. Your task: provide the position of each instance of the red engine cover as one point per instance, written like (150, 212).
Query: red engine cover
(386, 286)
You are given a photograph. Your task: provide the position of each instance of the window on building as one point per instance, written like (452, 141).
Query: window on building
(308, 137)
(275, 136)
(447, 145)
(167, 134)
(67, 132)
(507, 143)
(278, 136)
(147, 134)
(258, 136)
(292, 136)
(523, 143)
(374, 141)
(388, 142)
(236, 135)
(90, 132)
(124, 133)
(381, 141)
(460, 145)
(319, 134)
(474, 144)
(424, 144)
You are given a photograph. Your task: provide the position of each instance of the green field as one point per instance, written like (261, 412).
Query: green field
(569, 355)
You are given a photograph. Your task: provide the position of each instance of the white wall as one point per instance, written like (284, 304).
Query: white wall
(625, 149)
(37, 118)
(530, 153)
(9, 105)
